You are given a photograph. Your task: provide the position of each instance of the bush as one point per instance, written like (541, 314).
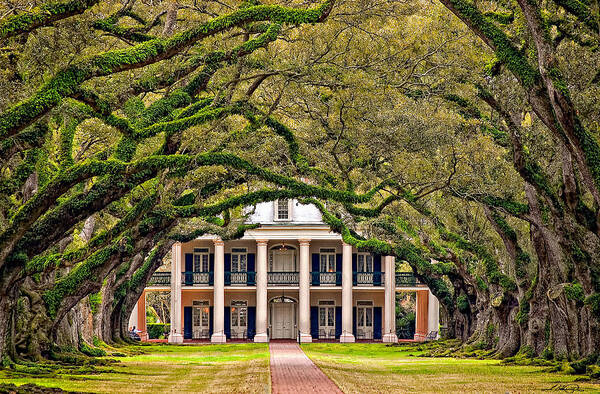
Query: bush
(157, 330)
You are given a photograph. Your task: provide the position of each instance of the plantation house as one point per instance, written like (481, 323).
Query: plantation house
(289, 277)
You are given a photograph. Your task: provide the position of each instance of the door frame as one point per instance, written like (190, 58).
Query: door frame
(294, 314)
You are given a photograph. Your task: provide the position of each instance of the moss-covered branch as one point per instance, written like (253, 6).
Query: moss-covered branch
(43, 15)
(65, 82)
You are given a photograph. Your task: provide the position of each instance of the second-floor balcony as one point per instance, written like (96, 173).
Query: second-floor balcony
(406, 279)
(326, 278)
(282, 278)
(368, 278)
(160, 279)
(189, 278)
(240, 278)
(248, 278)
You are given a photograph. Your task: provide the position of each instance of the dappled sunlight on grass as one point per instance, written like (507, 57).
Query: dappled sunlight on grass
(376, 368)
(235, 368)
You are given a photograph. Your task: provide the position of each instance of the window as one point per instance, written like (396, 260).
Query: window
(282, 209)
(327, 318)
(201, 257)
(239, 316)
(327, 260)
(239, 260)
(200, 318)
(365, 314)
(365, 262)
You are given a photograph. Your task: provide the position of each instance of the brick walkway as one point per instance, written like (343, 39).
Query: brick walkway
(293, 372)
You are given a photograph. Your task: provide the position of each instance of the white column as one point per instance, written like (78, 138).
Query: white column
(347, 335)
(389, 328)
(304, 290)
(261, 292)
(433, 321)
(133, 318)
(218, 335)
(176, 335)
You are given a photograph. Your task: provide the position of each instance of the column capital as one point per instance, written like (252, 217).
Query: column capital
(345, 244)
(262, 242)
(218, 242)
(304, 241)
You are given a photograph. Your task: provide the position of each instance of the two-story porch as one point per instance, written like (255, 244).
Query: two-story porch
(290, 277)
(299, 297)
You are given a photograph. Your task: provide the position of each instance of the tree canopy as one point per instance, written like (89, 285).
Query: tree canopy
(459, 137)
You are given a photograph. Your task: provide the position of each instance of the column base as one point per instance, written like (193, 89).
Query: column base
(262, 338)
(175, 338)
(305, 338)
(144, 336)
(347, 338)
(390, 338)
(419, 337)
(218, 338)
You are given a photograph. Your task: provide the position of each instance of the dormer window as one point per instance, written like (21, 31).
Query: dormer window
(283, 209)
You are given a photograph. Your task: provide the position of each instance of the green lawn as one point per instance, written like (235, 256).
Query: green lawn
(375, 368)
(356, 368)
(231, 368)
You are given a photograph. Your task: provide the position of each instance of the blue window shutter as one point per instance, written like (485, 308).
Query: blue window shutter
(189, 267)
(316, 279)
(338, 269)
(251, 322)
(354, 321)
(354, 267)
(210, 321)
(227, 322)
(314, 322)
(227, 269)
(377, 315)
(251, 277)
(211, 269)
(187, 322)
(377, 270)
(338, 321)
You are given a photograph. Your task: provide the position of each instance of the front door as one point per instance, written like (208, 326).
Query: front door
(283, 320)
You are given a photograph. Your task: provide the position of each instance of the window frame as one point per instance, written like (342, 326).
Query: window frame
(327, 305)
(198, 312)
(200, 253)
(276, 211)
(330, 259)
(238, 253)
(365, 305)
(365, 263)
(234, 310)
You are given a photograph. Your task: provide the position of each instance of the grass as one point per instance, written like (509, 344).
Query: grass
(231, 368)
(244, 368)
(376, 368)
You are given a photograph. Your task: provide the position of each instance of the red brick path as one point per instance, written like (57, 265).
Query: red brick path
(293, 372)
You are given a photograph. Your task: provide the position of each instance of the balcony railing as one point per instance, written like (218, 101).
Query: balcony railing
(283, 278)
(245, 278)
(406, 279)
(189, 278)
(326, 278)
(160, 279)
(368, 278)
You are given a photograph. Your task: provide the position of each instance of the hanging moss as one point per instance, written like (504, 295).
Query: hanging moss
(67, 81)
(95, 300)
(574, 292)
(593, 302)
(504, 49)
(462, 303)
